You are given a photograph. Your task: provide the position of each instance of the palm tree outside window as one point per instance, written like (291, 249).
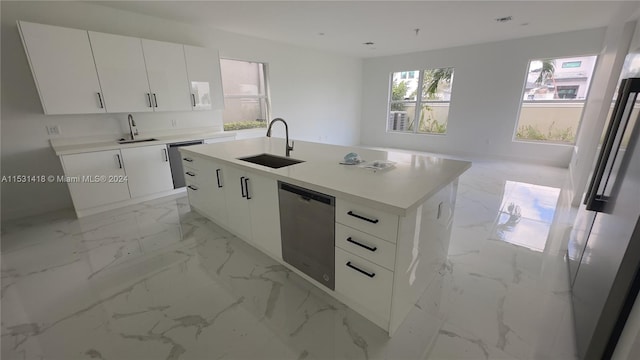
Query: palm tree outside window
(420, 104)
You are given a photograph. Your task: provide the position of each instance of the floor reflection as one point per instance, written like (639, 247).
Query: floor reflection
(526, 214)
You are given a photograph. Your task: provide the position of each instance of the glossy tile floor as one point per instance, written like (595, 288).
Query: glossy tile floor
(157, 281)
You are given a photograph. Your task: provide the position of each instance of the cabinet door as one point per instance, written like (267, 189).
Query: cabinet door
(63, 69)
(217, 205)
(167, 74)
(147, 169)
(90, 190)
(237, 204)
(206, 190)
(265, 217)
(122, 73)
(205, 81)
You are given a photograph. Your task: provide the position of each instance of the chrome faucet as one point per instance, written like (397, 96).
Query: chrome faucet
(286, 130)
(133, 130)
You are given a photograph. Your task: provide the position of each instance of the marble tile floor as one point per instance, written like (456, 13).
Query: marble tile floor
(157, 281)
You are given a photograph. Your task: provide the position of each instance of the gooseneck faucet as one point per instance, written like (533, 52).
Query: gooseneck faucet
(286, 130)
(133, 130)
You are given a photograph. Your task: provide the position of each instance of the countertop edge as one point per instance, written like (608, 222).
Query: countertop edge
(68, 149)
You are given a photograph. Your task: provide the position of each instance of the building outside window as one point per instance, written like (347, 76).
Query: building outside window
(419, 101)
(246, 102)
(553, 99)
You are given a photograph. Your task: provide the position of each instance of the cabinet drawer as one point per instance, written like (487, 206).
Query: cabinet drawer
(197, 194)
(192, 162)
(371, 221)
(364, 282)
(374, 249)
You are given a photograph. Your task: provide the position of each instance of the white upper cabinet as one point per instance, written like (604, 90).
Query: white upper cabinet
(63, 68)
(205, 81)
(167, 73)
(122, 72)
(87, 72)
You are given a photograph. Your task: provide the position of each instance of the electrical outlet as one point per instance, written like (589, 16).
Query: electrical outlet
(174, 123)
(53, 129)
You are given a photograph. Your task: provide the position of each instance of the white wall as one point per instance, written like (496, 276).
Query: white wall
(487, 90)
(318, 93)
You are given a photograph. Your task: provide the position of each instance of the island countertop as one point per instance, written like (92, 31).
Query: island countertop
(412, 180)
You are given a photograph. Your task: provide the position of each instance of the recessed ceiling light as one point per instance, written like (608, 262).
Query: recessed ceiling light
(524, 24)
(504, 19)
(369, 43)
(321, 33)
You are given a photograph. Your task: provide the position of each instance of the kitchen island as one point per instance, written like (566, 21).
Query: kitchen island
(392, 226)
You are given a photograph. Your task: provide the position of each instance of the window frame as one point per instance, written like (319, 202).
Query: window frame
(260, 98)
(515, 138)
(419, 101)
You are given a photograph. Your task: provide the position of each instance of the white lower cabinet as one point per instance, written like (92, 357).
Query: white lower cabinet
(237, 203)
(265, 216)
(252, 207)
(95, 178)
(206, 189)
(365, 283)
(148, 170)
(366, 246)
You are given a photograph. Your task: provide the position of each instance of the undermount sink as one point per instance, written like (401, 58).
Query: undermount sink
(272, 161)
(125, 141)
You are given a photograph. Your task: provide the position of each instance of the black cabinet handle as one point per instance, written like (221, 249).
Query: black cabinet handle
(190, 173)
(372, 249)
(373, 221)
(166, 155)
(100, 99)
(187, 159)
(193, 98)
(242, 187)
(149, 99)
(119, 161)
(246, 186)
(193, 188)
(369, 274)
(155, 100)
(218, 177)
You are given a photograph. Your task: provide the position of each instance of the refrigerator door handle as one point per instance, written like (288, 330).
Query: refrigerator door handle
(596, 199)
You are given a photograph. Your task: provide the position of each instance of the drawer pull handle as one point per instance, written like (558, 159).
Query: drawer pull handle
(190, 173)
(218, 177)
(373, 221)
(193, 188)
(246, 186)
(187, 159)
(372, 249)
(369, 274)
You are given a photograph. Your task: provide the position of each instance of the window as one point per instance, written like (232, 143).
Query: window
(571, 64)
(554, 95)
(422, 95)
(246, 104)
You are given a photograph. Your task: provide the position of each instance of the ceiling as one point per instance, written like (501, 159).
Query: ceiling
(344, 26)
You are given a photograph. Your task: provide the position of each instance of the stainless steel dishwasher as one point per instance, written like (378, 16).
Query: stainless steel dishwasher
(307, 226)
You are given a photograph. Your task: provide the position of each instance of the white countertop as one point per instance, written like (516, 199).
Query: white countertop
(81, 145)
(414, 178)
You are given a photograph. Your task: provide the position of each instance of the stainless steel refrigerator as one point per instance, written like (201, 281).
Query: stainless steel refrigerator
(604, 247)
